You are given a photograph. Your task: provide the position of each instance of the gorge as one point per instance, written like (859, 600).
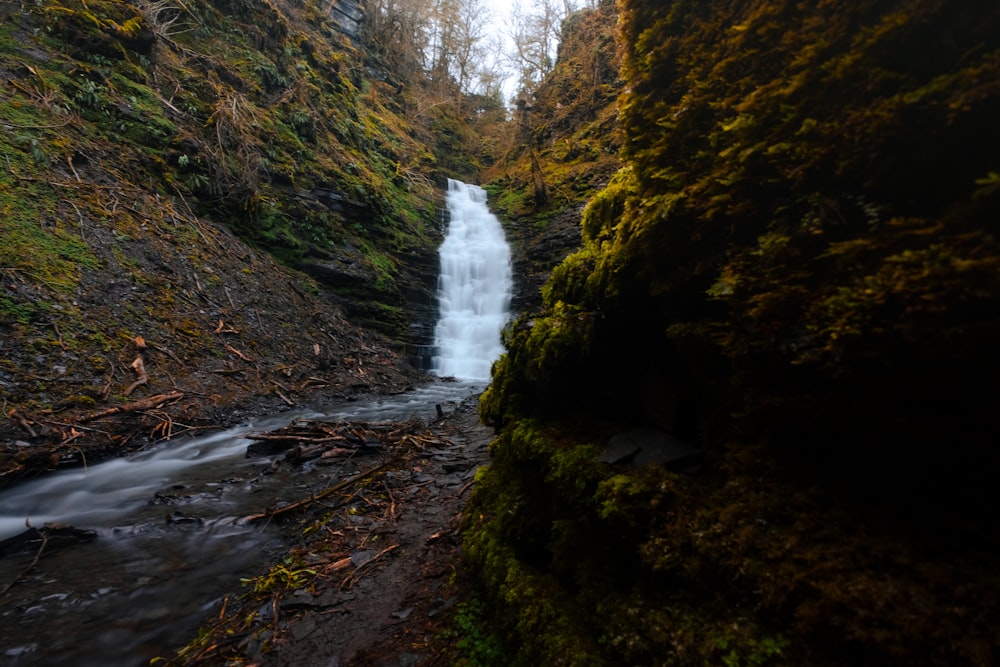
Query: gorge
(767, 229)
(166, 573)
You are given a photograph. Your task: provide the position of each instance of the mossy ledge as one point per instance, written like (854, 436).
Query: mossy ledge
(797, 270)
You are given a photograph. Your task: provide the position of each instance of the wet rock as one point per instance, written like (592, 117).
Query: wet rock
(178, 517)
(265, 448)
(18, 651)
(440, 605)
(458, 466)
(359, 558)
(53, 535)
(649, 446)
(303, 628)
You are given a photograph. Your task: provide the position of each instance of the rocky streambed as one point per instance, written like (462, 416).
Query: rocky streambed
(329, 541)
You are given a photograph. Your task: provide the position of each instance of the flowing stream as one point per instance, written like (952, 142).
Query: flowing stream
(170, 543)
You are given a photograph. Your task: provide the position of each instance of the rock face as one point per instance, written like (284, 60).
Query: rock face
(567, 149)
(536, 252)
(799, 254)
(348, 15)
(648, 446)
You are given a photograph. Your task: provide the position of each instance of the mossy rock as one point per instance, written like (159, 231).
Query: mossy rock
(99, 27)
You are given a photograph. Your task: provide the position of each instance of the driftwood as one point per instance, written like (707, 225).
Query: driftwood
(141, 377)
(145, 404)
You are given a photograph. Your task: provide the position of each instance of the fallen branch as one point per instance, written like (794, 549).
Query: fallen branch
(349, 582)
(145, 404)
(239, 354)
(22, 422)
(293, 439)
(328, 492)
(45, 540)
(289, 402)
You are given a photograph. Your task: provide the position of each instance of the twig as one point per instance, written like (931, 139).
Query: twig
(83, 457)
(59, 337)
(22, 422)
(330, 491)
(465, 487)
(41, 547)
(289, 402)
(163, 350)
(239, 354)
(349, 582)
(69, 161)
(79, 215)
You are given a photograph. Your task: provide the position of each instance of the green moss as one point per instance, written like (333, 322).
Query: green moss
(52, 255)
(806, 245)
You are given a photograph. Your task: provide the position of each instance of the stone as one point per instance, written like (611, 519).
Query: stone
(648, 446)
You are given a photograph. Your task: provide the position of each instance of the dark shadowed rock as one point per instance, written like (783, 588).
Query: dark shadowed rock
(647, 445)
(53, 535)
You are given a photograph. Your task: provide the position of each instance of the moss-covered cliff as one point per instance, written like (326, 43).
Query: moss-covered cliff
(797, 271)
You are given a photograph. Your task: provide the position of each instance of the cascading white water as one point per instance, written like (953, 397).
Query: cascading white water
(474, 287)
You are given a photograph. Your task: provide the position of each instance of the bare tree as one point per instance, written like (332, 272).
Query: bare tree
(535, 30)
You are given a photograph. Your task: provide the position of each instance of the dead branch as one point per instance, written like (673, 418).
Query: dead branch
(22, 422)
(349, 582)
(239, 354)
(165, 428)
(45, 540)
(328, 492)
(223, 329)
(289, 402)
(145, 404)
(163, 350)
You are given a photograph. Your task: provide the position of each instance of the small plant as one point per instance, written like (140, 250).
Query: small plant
(477, 646)
(39, 156)
(282, 577)
(89, 95)
(759, 653)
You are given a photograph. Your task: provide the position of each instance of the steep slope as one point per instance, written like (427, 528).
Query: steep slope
(159, 158)
(797, 272)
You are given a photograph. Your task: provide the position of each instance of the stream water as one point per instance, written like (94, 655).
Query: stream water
(170, 541)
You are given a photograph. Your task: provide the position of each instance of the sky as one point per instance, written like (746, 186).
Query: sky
(500, 26)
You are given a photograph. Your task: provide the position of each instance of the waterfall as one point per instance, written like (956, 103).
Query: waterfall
(474, 287)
